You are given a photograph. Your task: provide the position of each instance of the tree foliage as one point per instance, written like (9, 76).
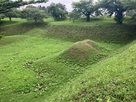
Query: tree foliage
(13, 13)
(33, 13)
(74, 15)
(130, 4)
(86, 7)
(6, 5)
(131, 13)
(117, 7)
(45, 10)
(57, 11)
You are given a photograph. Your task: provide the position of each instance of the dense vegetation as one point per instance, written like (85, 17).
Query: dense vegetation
(56, 60)
(7, 5)
(87, 8)
(61, 61)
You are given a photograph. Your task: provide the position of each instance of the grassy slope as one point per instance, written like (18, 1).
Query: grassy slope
(112, 79)
(35, 56)
(108, 33)
(15, 61)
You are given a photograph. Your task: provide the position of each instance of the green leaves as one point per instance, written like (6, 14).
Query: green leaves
(6, 5)
(117, 7)
(33, 13)
(57, 11)
(85, 7)
(74, 15)
(13, 13)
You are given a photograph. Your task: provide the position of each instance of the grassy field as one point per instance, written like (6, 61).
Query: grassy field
(67, 62)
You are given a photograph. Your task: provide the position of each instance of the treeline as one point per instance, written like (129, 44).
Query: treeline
(87, 8)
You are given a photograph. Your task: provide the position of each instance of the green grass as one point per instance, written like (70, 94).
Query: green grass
(111, 79)
(95, 21)
(108, 33)
(83, 53)
(81, 21)
(6, 22)
(30, 70)
(14, 62)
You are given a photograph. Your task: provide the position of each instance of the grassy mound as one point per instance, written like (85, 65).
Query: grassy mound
(82, 53)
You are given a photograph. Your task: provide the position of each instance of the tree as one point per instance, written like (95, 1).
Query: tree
(86, 7)
(45, 10)
(117, 7)
(74, 15)
(131, 5)
(57, 11)
(13, 13)
(131, 13)
(33, 13)
(6, 5)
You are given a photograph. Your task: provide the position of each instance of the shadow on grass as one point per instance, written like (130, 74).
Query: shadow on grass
(91, 19)
(3, 23)
(18, 29)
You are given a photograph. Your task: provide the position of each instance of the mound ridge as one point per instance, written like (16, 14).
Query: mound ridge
(82, 52)
(11, 39)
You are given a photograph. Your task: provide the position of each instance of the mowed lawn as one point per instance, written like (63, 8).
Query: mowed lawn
(30, 70)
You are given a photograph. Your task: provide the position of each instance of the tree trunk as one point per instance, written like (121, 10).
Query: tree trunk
(88, 18)
(9, 18)
(119, 16)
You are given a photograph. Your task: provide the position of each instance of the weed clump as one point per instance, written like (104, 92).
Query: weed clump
(82, 53)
